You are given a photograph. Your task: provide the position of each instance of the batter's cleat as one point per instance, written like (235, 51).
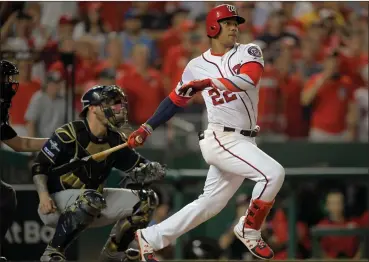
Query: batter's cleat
(248, 229)
(52, 255)
(146, 250)
(257, 247)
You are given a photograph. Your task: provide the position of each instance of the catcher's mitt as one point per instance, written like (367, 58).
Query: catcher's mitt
(143, 176)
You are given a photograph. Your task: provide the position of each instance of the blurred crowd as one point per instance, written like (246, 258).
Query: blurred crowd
(314, 86)
(315, 83)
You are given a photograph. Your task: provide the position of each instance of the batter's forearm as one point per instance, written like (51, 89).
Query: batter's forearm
(40, 182)
(166, 110)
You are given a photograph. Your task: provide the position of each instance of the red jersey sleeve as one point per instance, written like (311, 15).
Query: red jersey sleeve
(182, 99)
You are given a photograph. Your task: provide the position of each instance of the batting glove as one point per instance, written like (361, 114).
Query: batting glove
(138, 137)
(196, 86)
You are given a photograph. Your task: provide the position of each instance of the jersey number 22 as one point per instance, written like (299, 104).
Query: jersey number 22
(219, 98)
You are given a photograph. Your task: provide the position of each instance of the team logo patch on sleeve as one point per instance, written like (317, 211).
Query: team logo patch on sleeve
(254, 51)
(51, 149)
(54, 146)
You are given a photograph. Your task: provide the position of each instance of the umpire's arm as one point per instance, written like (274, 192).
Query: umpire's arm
(20, 143)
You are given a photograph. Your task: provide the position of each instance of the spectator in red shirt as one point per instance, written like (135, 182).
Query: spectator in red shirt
(291, 81)
(352, 57)
(329, 96)
(269, 106)
(143, 85)
(334, 247)
(27, 87)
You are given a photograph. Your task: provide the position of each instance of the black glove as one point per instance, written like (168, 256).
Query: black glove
(144, 175)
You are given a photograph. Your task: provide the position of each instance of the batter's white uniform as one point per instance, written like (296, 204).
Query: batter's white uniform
(232, 157)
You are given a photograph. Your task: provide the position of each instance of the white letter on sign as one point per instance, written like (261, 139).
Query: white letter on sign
(31, 232)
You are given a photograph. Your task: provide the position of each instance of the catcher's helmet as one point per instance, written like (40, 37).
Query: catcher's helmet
(8, 87)
(113, 103)
(218, 13)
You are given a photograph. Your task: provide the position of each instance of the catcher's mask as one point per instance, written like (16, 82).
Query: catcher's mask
(112, 101)
(8, 86)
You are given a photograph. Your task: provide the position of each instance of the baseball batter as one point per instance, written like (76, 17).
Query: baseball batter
(227, 76)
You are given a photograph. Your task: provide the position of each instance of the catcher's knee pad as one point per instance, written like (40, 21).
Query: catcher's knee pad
(148, 202)
(124, 229)
(143, 210)
(91, 202)
(76, 218)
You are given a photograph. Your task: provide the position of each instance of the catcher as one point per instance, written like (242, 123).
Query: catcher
(70, 184)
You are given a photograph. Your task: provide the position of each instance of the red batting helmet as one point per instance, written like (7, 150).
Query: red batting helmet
(218, 13)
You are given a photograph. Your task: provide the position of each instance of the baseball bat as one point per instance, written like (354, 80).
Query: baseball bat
(105, 153)
(68, 167)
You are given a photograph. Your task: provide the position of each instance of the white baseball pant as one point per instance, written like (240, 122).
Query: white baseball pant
(232, 158)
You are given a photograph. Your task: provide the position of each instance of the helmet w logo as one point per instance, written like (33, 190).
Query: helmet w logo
(232, 8)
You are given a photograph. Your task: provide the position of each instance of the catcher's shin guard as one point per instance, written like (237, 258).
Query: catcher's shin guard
(75, 219)
(123, 232)
(52, 255)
